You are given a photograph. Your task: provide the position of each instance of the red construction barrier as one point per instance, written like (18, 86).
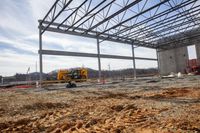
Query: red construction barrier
(23, 86)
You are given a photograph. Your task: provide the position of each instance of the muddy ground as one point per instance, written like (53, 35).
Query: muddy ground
(144, 105)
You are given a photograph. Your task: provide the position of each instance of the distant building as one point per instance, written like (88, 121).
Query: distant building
(1, 78)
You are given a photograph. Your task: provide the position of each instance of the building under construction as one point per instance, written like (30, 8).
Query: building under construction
(168, 26)
(163, 103)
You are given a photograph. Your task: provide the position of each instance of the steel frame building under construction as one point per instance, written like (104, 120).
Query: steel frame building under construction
(163, 25)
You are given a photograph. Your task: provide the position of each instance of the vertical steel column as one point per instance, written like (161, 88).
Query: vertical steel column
(40, 54)
(134, 67)
(158, 62)
(99, 60)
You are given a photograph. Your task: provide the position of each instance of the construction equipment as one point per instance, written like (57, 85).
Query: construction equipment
(193, 66)
(73, 75)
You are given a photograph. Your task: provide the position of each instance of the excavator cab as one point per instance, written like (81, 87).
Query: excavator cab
(72, 76)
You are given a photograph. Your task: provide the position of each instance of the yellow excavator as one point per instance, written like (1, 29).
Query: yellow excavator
(73, 75)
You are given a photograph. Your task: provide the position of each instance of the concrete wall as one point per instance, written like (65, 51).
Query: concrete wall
(173, 60)
(181, 59)
(198, 50)
(167, 61)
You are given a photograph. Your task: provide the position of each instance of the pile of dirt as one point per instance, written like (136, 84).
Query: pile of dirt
(178, 92)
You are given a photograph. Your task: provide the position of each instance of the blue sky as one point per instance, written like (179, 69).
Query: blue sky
(19, 42)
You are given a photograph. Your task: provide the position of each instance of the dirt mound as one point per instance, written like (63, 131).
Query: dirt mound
(177, 92)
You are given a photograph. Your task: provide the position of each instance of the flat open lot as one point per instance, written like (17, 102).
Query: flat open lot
(143, 105)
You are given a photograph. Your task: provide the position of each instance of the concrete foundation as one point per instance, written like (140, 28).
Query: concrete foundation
(198, 50)
(173, 60)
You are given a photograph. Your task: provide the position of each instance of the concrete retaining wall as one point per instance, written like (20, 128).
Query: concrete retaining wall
(173, 60)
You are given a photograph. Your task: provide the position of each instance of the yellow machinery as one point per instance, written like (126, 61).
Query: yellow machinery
(73, 75)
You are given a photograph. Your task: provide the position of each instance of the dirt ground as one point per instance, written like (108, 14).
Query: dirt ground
(141, 106)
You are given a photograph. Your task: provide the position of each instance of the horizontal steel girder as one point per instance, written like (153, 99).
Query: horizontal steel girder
(78, 54)
(93, 35)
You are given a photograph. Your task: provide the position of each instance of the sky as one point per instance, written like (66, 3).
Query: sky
(19, 43)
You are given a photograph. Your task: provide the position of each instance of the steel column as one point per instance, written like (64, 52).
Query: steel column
(134, 67)
(99, 59)
(40, 53)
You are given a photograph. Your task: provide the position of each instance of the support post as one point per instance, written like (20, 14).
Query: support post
(134, 67)
(40, 53)
(158, 62)
(99, 60)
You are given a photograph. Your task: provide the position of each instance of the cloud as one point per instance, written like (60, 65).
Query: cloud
(15, 17)
(19, 42)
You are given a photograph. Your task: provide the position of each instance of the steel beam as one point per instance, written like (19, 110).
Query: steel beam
(93, 15)
(57, 15)
(155, 17)
(165, 23)
(114, 31)
(134, 65)
(114, 14)
(53, 7)
(87, 35)
(137, 15)
(174, 38)
(40, 54)
(99, 58)
(78, 54)
(87, 14)
(107, 37)
(189, 39)
(165, 30)
(72, 13)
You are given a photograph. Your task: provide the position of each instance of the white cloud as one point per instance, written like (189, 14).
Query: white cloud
(18, 29)
(15, 17)
(19, 44)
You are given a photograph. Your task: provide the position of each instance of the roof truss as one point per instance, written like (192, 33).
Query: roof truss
(140, 22)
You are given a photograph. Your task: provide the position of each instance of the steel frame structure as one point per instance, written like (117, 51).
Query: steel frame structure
(160, 24)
